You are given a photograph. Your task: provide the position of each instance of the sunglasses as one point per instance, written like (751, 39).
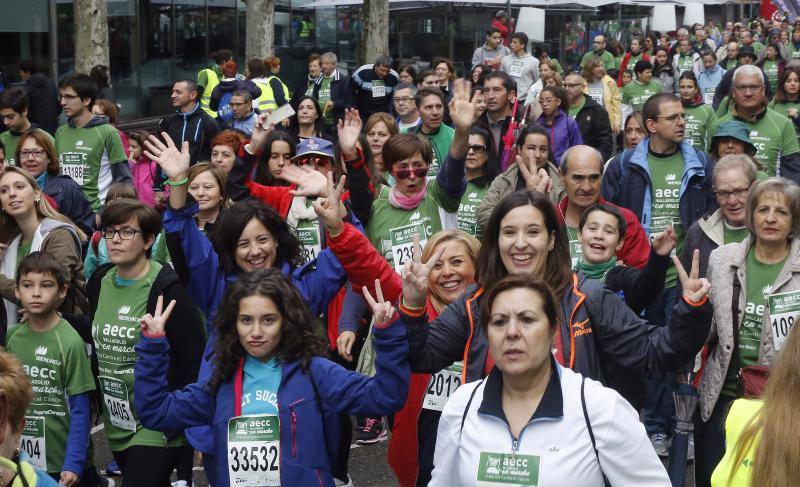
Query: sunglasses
(317, 161)
(476, 148)
(419, 172)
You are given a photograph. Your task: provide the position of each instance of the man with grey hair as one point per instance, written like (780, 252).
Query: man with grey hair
(371, 87)
(771, 133)
(731, 58)
(592, 119)
(332, 90)
(581, 173)
(244, 115)
(405, 107)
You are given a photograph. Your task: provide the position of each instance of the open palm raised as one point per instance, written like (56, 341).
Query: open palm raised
(175, 163)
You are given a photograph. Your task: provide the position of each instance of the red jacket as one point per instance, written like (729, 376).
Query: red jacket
(505, 31)
(623, 66)
(636, 249)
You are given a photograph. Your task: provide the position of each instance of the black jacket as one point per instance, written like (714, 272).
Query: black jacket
(698, 238)
(361, 91)
(43, 99)
(71, 201)
(197, 127)
(604, 331)
(639, 288)
(300, 88)
(340, 94)
(595, 127)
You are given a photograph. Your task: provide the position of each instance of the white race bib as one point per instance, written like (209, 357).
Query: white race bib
(783, 311)
(72, 165)
(596, 94)
(254, 448)
(708, 96)
(516, 69)
(378, 89)
(33, 442)
(441, 386)
(310, 240)
(402, 239)
(117, 402)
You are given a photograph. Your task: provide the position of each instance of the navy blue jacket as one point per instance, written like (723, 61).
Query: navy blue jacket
(626, 183)
(309, 432)
(71, 201)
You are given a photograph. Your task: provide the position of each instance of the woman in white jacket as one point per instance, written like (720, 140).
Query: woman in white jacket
(531, 421)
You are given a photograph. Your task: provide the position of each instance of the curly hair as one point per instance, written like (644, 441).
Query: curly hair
(231, 224)
(298, 341)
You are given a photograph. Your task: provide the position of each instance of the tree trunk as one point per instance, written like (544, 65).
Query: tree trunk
(91, 34)
(260, 28)
(375, 38)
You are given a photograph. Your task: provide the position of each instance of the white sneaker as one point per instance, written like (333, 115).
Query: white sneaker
(660, 444)
(342, 483)
(690, 452)
(180, 483)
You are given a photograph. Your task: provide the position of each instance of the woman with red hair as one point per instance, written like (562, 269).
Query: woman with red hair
(225, 148)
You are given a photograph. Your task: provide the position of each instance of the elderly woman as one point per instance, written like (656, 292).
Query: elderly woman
(752, 282)
(732, 177)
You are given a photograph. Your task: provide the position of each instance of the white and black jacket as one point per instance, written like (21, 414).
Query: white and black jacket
(558, 433)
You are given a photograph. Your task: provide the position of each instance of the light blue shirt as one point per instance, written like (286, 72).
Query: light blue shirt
(260, 386)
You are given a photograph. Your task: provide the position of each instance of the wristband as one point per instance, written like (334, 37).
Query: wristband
(413, 312)
(181, 182)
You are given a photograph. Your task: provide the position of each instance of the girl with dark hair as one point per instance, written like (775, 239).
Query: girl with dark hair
(599, 333)
(478, 73)
(533, 169)
(482, 168)
(279, 150)
(407, 73)
(101, 75)
(664, 71)
(563, 130)
(307, 122)
(787, 96)
(251, 236)
(773, 64)
(629, 60)
(699, 116)
(271, 390)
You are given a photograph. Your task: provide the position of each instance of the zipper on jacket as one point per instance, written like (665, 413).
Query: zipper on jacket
(293, 414)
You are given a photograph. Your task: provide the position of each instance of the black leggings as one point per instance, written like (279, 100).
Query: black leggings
(148, 465)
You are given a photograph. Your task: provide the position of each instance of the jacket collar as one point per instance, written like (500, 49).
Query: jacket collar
(692, 165)
(336, 76)
(550, 407)
(188, 114)
(739, 256)
(713, 226)
(562, 206)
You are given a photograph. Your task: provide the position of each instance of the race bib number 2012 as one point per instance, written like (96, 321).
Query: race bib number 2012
(441, 386)
(254, 451)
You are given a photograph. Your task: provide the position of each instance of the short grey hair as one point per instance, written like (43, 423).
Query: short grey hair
(581, 78)
(682, 30)
(562, 164)
(741, 162)
(406, 86)
(248, 98)
(774, 185)
(383, 60)
(329, 56)
(748, 69)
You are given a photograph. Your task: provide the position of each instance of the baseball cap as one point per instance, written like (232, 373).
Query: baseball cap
(314, 145)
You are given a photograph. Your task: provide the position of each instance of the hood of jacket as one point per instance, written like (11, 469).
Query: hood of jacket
(37, 80)
(713, 226)
(93, 122)
(229, 84)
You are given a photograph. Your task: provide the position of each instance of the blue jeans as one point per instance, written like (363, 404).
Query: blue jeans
(659, 408)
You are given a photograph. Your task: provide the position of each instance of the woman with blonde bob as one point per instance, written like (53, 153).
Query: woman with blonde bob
(743, 276)
(414, 432)
(28, 223)
(762, 442)
(207, 187)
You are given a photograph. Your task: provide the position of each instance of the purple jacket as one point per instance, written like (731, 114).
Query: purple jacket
(564, 133)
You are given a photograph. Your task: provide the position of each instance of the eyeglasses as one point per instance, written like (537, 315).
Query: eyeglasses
(748, 88)
(36, 153)
(476, 148)
(736, 193)
(572, 85)
(419, 172)
(67, 96)
(317, 161)
(674, 118)
(124, 233)
(404, 99)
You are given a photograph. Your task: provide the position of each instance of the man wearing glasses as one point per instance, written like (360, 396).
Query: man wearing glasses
(244, 115)
(14, 111)
(405, 107)
(666, 183)
(600, 52)
(771, 133)
(592, 119)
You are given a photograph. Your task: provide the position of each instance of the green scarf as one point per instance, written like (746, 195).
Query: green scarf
(596, 271)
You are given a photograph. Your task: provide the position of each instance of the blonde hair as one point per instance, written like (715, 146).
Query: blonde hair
(777, 456)
(8, 226)
(472, 245)
(774, 185)
(16, 386)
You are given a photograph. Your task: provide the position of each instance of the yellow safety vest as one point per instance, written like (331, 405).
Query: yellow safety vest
(285, 88)
(205, 100)
(26, 471)
(742, 410)
(305, 29)
(267, 99)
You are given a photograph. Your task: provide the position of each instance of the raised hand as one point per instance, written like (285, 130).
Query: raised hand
(695, 288)
(538, 180)
(348, 129)
(175, 163)
(329, 208)
(462, 106)
(415, 275)
(259, 137)
(154, 324)
(344, 344)
(309, 181)
(664, 242)
(382, 310)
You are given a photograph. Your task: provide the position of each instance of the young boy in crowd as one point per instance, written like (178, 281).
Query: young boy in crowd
(58, 421)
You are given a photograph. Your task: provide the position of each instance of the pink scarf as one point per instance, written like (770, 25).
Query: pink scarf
(403, 202)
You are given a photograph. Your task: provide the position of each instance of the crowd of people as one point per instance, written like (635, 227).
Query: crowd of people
(510, 272)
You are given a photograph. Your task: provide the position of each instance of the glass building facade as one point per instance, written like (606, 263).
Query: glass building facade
(154, 42)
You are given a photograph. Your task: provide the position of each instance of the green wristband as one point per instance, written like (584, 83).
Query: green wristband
(183, 181)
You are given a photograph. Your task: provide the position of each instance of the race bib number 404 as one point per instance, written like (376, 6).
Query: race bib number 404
(33, 442)
(783, 311)
(254, 451)
(496, 469)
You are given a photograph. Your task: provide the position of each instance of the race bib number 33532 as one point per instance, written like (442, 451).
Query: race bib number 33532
(254, 451)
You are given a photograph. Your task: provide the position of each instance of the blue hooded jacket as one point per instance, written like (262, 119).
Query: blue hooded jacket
(627, 183)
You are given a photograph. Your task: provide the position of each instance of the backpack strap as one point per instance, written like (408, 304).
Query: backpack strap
(591, 431)
(96, 236)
